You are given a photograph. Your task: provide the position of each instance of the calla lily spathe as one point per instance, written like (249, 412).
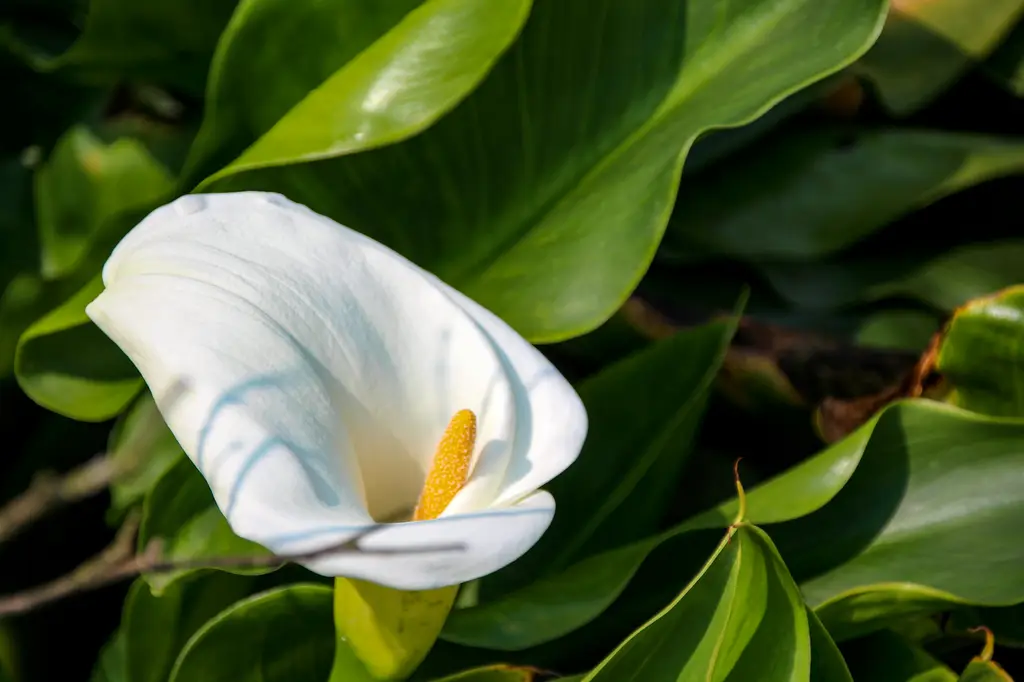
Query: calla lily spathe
(320, 369)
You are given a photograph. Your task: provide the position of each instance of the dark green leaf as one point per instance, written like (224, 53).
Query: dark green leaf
(1007, 63)
(283, 635)
(984, 671)
(740, 619)
(155, 629)
(492, 673)
(112, 664)
(884, 656)
(166, 41)
(804, 193)
(545, 192)
(180, 510)
(827, 663)
(926, 45)
(643, 412)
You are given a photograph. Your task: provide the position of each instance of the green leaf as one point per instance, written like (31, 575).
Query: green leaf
(282, 635)
(902, 329)
(544, 194)
(359, 74)
(112, 664)
(180, 511)
(944, 282)
(628, 473)
(493, 673)
(1006, 64)
(825, 188)
(144, 449)
(741, 618)
(66, 364)
(166, 41)
(884, 656)
(82, 185)
(827, 662)
(156, 628)
(927, 45)
(984, 671)
(980, 355)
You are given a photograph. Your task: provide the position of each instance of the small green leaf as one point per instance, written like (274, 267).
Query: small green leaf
(112, 664)
(741, 618)
(981, 356)
(282, 635)
(575, 161)
(926, 46)
(66, 364)
(826, 188)
(984, 671)
(83, 184)
(884, 656)
(144, 449)
(180, 510)
(154, 629)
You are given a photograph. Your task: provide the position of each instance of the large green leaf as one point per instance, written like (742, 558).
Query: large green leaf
(884, 656)
(156, 628)
(741, 618)
(990, 329)
(283, 635)
(544, 194)
(181, 512)
(643, 412)
(927, 44)
(809, 192)
(332, 78)
(167, 41)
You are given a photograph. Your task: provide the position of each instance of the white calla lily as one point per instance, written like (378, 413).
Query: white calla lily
(322, 369)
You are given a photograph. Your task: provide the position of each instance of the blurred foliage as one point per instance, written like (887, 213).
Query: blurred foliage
(611, 178)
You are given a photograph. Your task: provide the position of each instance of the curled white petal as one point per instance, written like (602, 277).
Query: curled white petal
(321, 369)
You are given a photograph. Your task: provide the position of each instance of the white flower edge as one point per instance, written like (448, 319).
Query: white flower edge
(277, 318)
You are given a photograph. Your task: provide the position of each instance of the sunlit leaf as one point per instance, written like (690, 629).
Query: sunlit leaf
(545, 192)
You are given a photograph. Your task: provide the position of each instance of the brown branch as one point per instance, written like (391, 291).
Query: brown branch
(117, 563)
(49, 492)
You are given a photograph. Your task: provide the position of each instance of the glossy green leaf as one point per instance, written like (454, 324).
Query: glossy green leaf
(112, 664)
(741, 618)
(544, 194)
(984, 671)
(493, 673)
(181, 512)
(827, 662)
(628, 473)
(884, 656)
(144, 449)
(283, 635)
(928, 44)
(358, 74)
(66, 364)
(822, 189)
(981, 357)
(83, 184)
(156, 628)
(166, 41)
